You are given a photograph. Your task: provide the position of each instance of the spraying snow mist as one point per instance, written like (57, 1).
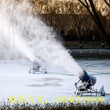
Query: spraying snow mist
(22, 34)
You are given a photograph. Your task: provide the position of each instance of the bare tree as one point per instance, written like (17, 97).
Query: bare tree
(89, 5)
(79, 19)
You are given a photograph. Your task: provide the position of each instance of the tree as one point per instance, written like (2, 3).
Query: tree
(89, 5)
(79, 19)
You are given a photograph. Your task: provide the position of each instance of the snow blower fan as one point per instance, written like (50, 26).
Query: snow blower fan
(85, 86)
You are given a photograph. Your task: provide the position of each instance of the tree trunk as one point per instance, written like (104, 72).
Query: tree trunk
(79, 38)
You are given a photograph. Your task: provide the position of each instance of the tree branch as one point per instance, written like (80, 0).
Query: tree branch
(88, 9)
(107, 3)
(86, 3)
(83, 3)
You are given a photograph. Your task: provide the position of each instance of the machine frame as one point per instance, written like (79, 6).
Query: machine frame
(81, 89)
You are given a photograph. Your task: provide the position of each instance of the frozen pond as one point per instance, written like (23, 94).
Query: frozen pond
(15, 80)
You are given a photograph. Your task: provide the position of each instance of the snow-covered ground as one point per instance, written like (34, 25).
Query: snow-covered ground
(15, 80)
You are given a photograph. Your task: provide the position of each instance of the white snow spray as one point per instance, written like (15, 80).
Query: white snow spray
(23, 34)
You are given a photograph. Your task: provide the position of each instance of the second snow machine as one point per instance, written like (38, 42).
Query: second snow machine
(36, 68)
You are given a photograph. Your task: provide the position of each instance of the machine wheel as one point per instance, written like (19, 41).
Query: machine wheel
(103, 94)
(78, 94)
(102, 91)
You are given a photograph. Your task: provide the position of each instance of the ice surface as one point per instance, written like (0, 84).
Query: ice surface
(15, 80)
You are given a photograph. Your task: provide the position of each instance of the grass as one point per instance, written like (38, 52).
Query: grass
(60, 106)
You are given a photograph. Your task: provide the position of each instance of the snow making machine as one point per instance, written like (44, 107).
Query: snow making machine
(85, 86)
(36, 68)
